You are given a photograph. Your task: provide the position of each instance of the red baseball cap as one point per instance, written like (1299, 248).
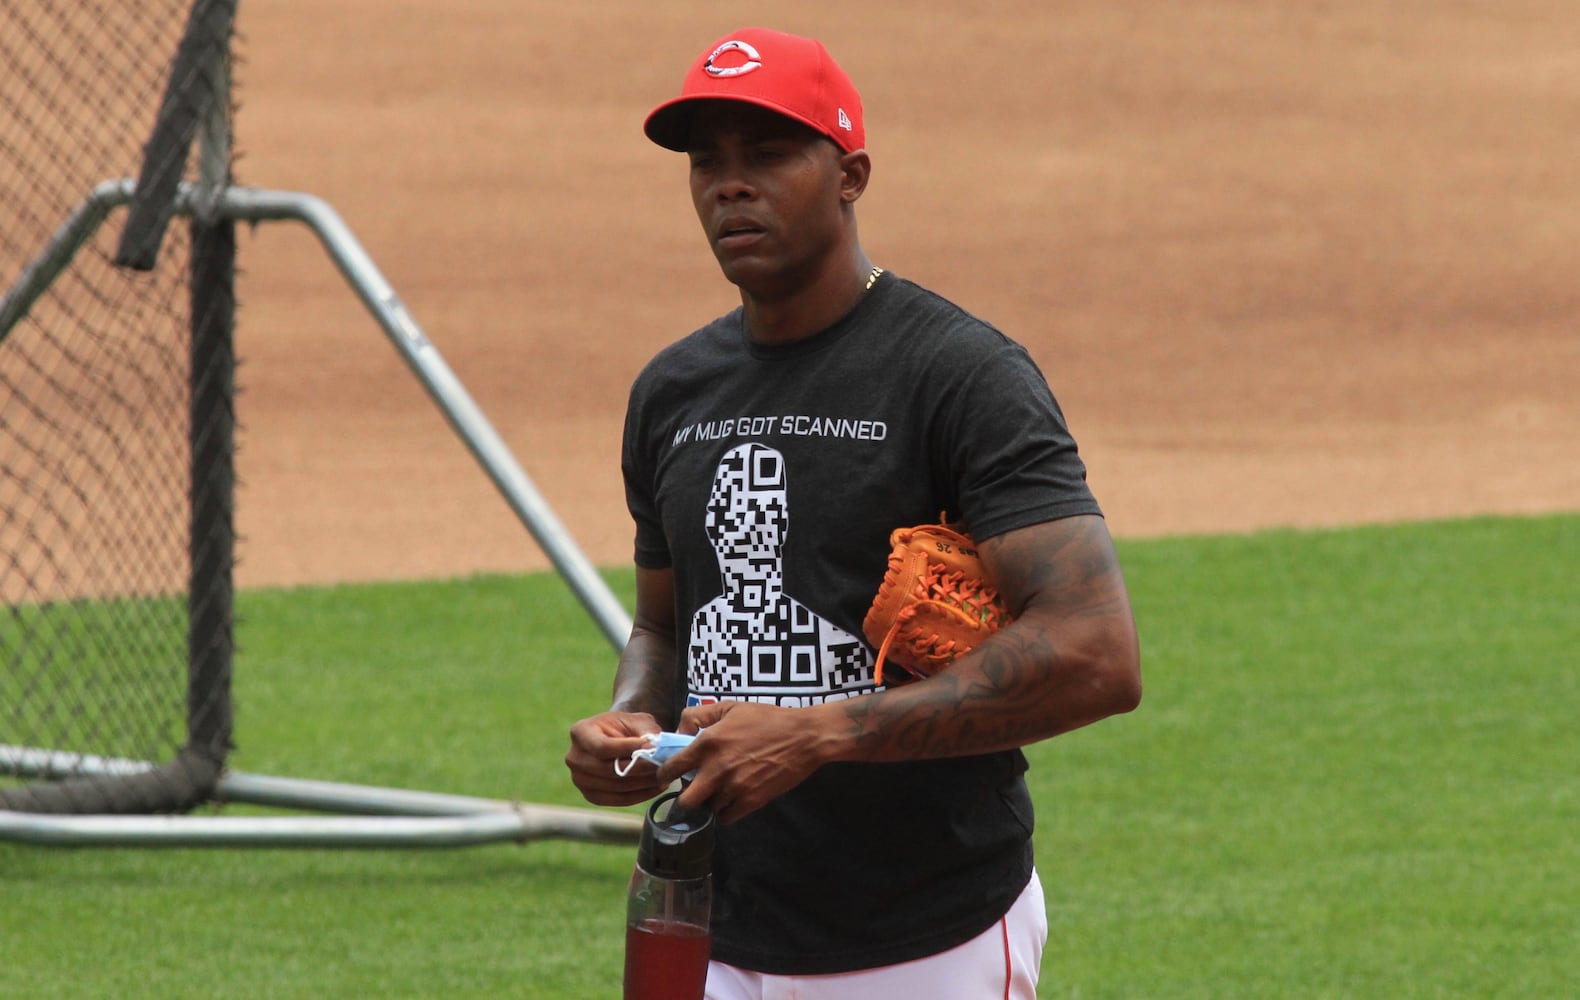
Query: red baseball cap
(785, 73)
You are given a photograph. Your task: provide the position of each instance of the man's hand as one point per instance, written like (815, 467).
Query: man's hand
(597, 744)
(644, 688)
(746, 755)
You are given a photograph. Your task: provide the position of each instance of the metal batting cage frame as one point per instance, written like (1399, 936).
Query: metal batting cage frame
(117, 448)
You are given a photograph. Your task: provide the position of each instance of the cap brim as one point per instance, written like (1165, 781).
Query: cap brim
(669, 124)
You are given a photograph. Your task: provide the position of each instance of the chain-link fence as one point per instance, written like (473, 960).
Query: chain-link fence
(115, 405)
(117, 431)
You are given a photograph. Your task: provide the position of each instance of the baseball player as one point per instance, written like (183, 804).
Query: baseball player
(875, 840)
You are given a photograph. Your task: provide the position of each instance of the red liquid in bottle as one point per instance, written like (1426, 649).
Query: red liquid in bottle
(666, 961)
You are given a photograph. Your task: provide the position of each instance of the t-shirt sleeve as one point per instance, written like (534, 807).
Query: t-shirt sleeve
(1013, 459)
(636, 468)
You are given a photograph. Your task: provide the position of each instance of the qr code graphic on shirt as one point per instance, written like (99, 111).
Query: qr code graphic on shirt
(754, 640)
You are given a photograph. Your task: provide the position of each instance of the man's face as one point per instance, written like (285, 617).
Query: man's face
(767, 190)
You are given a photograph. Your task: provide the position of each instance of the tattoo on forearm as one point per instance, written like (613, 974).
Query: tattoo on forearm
(997, 699)
(646, 678)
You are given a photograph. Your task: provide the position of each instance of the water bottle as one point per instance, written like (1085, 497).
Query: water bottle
(667, 941)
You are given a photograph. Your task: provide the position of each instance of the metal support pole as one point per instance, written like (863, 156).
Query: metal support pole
(446, 390)
(62, 247)
(310, 831)
(423, 819)
(386, 817)
(375, 292)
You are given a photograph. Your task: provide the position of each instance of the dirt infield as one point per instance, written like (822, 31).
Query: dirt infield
(1283, 264)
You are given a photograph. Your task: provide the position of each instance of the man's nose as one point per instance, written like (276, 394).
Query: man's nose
(733, 182)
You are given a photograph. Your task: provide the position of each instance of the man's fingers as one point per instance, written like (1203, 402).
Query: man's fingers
(680, 765)
(605, 788)
(702, 716)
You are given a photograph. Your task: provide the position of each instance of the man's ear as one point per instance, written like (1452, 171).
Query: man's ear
(855, 170)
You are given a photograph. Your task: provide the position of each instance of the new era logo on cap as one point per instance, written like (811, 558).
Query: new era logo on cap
(793, 76)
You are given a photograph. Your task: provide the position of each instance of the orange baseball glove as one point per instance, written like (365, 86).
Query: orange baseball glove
(934, 603)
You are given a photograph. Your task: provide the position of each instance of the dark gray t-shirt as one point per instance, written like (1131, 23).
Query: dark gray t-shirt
(770, 479)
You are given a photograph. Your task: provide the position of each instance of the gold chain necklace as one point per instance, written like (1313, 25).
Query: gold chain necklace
(872, 279)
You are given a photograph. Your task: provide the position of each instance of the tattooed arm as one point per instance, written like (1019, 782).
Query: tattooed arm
(1069, 658)
(643, 702)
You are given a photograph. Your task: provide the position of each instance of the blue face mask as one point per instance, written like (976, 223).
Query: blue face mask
(661, 747)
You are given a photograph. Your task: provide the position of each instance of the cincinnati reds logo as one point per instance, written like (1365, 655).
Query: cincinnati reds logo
(753, 60)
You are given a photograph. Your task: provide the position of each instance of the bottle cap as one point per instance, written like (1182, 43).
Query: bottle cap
(676, 842)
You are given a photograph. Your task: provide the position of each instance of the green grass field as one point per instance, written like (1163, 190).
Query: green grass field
(1353, 775)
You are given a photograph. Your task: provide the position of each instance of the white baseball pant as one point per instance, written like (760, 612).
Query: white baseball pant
(1001, 963)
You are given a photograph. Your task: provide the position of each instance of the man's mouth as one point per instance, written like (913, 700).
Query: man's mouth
(737, 231)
